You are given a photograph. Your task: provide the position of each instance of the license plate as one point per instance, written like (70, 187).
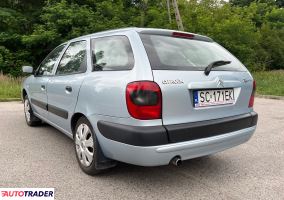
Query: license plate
(204, 98)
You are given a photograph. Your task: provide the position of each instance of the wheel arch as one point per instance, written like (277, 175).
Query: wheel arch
(102, 161)
(24, 93)
(74, 120)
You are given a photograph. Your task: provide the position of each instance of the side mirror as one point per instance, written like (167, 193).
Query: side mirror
(27, 69)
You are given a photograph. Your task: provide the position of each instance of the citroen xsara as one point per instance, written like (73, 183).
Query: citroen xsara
(147, 97)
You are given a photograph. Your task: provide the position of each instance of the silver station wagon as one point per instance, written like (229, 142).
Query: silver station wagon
(147, 97)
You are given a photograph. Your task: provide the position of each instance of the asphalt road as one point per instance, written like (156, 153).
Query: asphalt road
(44, 157)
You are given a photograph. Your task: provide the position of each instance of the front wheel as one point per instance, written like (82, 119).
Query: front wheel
(31, 119)
(85, 146)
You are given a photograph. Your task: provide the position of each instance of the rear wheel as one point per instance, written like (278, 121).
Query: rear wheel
(31, 119)
(85, 146)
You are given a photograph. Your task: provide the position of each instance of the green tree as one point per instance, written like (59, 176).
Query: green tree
(29, 29)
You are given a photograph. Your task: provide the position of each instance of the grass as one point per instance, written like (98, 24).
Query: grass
(267, 82)
(270, 82)
(10, 88)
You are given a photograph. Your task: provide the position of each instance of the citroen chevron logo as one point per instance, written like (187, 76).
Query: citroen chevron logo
(220, 83)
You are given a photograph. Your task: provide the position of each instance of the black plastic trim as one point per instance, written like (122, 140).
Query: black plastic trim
(50, 108)
(58, 111)
(39, 104)
(210, 128)
(160, 135)
(134, 135)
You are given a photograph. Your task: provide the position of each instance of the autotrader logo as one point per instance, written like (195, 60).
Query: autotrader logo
(27, 193)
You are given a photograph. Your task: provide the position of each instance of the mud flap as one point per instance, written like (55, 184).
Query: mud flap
(103, 162)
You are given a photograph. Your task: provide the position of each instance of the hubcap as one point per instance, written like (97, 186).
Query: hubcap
(27, 109)
(84, 144)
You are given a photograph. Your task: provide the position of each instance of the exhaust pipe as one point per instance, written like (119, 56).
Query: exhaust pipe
(176, 161)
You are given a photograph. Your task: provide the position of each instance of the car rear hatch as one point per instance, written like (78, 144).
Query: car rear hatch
(178, 61)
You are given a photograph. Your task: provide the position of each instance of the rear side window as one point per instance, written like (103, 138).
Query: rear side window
(112, 54)
(171, 53)
(74, 59)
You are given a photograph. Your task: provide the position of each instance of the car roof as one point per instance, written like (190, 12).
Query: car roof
(155, 31)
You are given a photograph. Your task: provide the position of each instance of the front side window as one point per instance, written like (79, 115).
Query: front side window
(112, 54)
(74, 60)
(47, 65)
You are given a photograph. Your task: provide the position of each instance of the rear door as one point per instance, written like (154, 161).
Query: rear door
(63, 88)
(188, 94)
(37, 86)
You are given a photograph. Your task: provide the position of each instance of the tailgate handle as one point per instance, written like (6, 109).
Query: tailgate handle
(216, 83)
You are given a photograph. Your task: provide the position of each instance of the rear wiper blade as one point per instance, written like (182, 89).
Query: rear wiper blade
(215, 64)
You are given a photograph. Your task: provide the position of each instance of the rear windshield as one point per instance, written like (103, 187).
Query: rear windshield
(171, 53)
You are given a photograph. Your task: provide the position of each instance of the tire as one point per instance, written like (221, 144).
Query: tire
(31, 119)
(85, 147)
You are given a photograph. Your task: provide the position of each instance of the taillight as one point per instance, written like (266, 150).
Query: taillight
(251, 100)
(144, 100)
(182, 35)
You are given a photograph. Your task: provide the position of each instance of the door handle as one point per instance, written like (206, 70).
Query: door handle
(68, 89)
(42, 87)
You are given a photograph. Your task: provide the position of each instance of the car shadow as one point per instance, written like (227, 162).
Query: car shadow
(207, 166)
(203, 165)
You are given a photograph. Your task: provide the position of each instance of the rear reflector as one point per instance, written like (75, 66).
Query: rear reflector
(251, 100)
(144, 100)
(183, 35)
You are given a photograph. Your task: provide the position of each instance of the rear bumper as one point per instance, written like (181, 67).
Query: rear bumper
(146, 146)
(161, 135)
(162, 154)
